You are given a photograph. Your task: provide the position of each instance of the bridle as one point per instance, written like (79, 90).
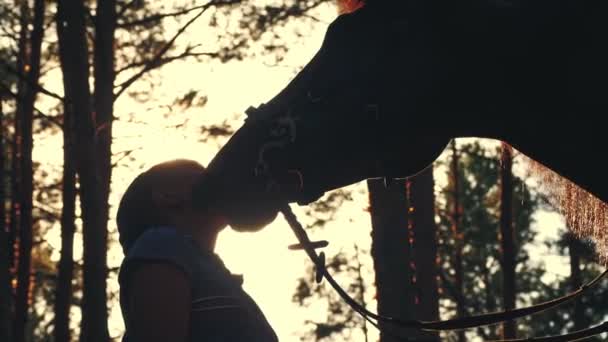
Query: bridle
(283, 133)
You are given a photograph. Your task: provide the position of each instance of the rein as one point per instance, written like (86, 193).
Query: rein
(452, 324)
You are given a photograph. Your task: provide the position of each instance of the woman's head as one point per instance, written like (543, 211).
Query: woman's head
(162, 195)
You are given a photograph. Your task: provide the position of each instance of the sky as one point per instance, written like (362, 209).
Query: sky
(270, 270)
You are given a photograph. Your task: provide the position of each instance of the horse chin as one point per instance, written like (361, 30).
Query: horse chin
(251, 220)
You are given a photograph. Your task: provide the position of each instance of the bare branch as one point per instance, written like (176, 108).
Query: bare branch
(52, 119)
(12, 35)
(40, 114)
(456, 296)
(167, 60)
(313, 18)
(125, 154)
(279, 14)
(159, 55)
(222, 130)
(48, 211)
(22, 77)
(158, 17)
(121, 11)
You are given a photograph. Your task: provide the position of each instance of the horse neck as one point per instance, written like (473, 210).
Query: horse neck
(465, 125)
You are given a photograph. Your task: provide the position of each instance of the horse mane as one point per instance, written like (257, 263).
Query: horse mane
(349, 6)
(586, 216)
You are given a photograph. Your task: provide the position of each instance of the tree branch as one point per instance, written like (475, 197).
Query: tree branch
(38, 87)
(121, 11)
(40, 114)
(125, 154)
(167, 60)
(457, 297)
(158, 17)
(46, 211)
(8, 34)
(152, 63)
(294, 11)
(52, 119)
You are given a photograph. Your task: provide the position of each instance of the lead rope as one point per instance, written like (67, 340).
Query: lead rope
(452, 324)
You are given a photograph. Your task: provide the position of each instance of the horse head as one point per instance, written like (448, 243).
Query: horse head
(392, 83)
(321, 132)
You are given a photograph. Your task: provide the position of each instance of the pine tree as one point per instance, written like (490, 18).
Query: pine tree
(25, 110)
(507, 239)
(6, 297)
(479, 197)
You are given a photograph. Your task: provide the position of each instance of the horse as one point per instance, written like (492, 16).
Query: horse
(395, 81)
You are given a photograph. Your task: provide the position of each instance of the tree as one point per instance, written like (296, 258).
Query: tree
(583, 311)
(478, 178)
(25, 109)
(73, 53)
(456, 213)
(391, 253)
(404, 249)
(65, 274)
(507, 239)
(575, 249)
(421, 214)
(6, 297)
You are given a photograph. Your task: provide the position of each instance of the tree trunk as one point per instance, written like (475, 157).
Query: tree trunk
(362, 288)
(15, 210)
(6, 296)
(574, 249)
(15, 215)
(98, 179)
(63, 291)
(73, 52)
(507, 234)
(458, 241)
(421, 200)
(391, 254)
(27, 99)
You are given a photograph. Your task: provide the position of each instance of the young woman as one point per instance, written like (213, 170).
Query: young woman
(173, 287)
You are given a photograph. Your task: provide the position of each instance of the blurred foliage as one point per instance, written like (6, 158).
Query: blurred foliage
(479, 168)
(480, 196)
(339, 322)
(479, 235)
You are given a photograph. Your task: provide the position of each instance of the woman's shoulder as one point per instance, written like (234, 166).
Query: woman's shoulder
(160, 241)
(162, 245)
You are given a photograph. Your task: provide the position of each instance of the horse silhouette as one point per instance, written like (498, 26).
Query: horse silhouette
(395, 81)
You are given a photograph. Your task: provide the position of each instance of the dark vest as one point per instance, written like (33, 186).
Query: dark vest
(215, 291)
